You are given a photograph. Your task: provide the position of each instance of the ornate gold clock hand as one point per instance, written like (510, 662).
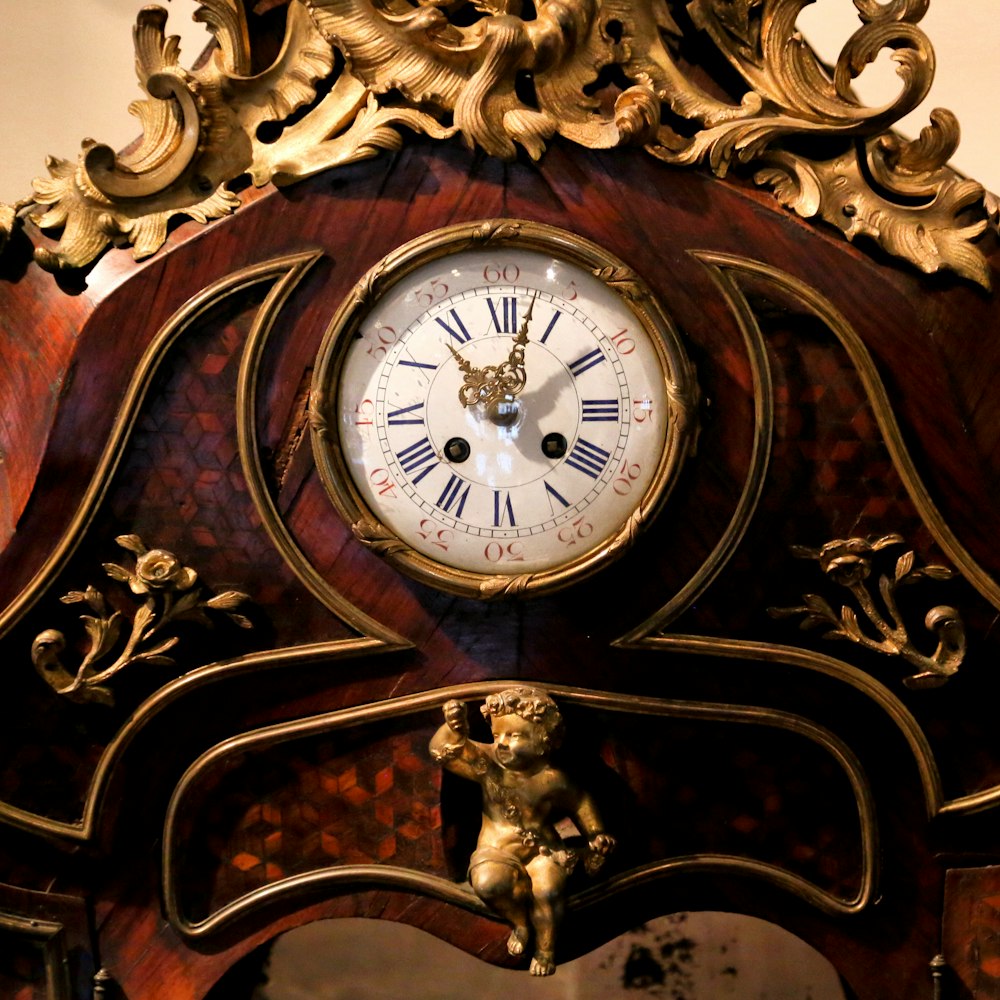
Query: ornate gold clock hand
(495, 383)
(515, 362)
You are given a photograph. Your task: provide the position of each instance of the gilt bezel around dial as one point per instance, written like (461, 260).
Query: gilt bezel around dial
(498, 407)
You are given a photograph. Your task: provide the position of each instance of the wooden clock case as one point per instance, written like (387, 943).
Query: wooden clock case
(271, 767)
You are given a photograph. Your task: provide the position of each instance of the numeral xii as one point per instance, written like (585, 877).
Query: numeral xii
(504, 320)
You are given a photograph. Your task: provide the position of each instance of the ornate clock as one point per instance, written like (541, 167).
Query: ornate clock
(500, 406)
(224, 717)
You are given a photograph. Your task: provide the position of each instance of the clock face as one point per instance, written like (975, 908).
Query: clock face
(500, 415)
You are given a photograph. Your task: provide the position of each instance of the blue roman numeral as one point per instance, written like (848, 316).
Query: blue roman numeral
(553, 492)
(461, 334)
(588, 458)
(417, 364)
(418, 457)
(502, 509)
(454, 496)
(548, 329)
(509, 324)
(409, 415)
(594, 357)
(600, 409)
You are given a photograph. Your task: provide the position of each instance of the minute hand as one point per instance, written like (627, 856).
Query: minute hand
(492, 383)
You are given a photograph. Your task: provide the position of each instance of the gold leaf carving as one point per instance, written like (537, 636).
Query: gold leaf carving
(850, 563)
(505, 586)
(198, 128)
(624, 281)
(8, 219)
(630, 530)
(929, 235)
(496, 230)
(170, 592)
(377, 537)
(317, 414)
(476, 68)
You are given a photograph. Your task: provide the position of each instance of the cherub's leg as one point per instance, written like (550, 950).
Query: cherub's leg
(507, 890)
(548, 879)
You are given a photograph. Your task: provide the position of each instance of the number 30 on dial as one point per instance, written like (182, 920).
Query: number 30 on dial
(501, 405)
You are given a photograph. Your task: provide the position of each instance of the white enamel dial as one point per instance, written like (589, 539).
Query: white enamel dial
(501, 412)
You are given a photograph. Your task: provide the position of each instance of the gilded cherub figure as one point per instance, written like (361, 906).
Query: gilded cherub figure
(521, 862)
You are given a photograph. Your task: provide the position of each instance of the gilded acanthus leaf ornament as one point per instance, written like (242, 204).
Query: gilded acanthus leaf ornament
(169, 591)
(8, 219)
(849, 563)
(601, 73)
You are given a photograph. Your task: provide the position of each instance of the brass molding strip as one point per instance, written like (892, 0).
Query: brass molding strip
(725, 864)
(253, 471)
(289, 270)
(290, 267)
(742, 649)
(357, 876)
(49, 935)
(719, 266)
(753, 486)
(644, 636)
(879, 400)
(972, 803)
(83, 829)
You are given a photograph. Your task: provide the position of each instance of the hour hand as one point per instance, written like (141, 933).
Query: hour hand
(462, 363)
(494, 383)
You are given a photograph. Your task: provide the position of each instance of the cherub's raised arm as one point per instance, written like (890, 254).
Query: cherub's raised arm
(588, 821)
(451, 747)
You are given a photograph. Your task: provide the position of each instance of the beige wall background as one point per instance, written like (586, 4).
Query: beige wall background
(66, 73)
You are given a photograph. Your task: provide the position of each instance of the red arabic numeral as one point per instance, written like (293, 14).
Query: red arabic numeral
(642, 409)
(627, 475)
(580, 529)
(512, 552)
(380, 340)
(435, 535)
(624, 344)
(494, 273)
(365, 411)
(382, 483)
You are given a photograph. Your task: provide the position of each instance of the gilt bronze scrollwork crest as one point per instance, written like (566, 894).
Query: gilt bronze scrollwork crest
(506, 75)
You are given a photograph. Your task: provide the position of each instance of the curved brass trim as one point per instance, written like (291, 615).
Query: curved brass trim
(288, 270)
(410, 880)
(878, 398)
(83, 829)
(726, 864)
(753, 486)
(50, 936)
(742, 649)
(974, 802)
(289, 267)
(644, 635)
(274, 526)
